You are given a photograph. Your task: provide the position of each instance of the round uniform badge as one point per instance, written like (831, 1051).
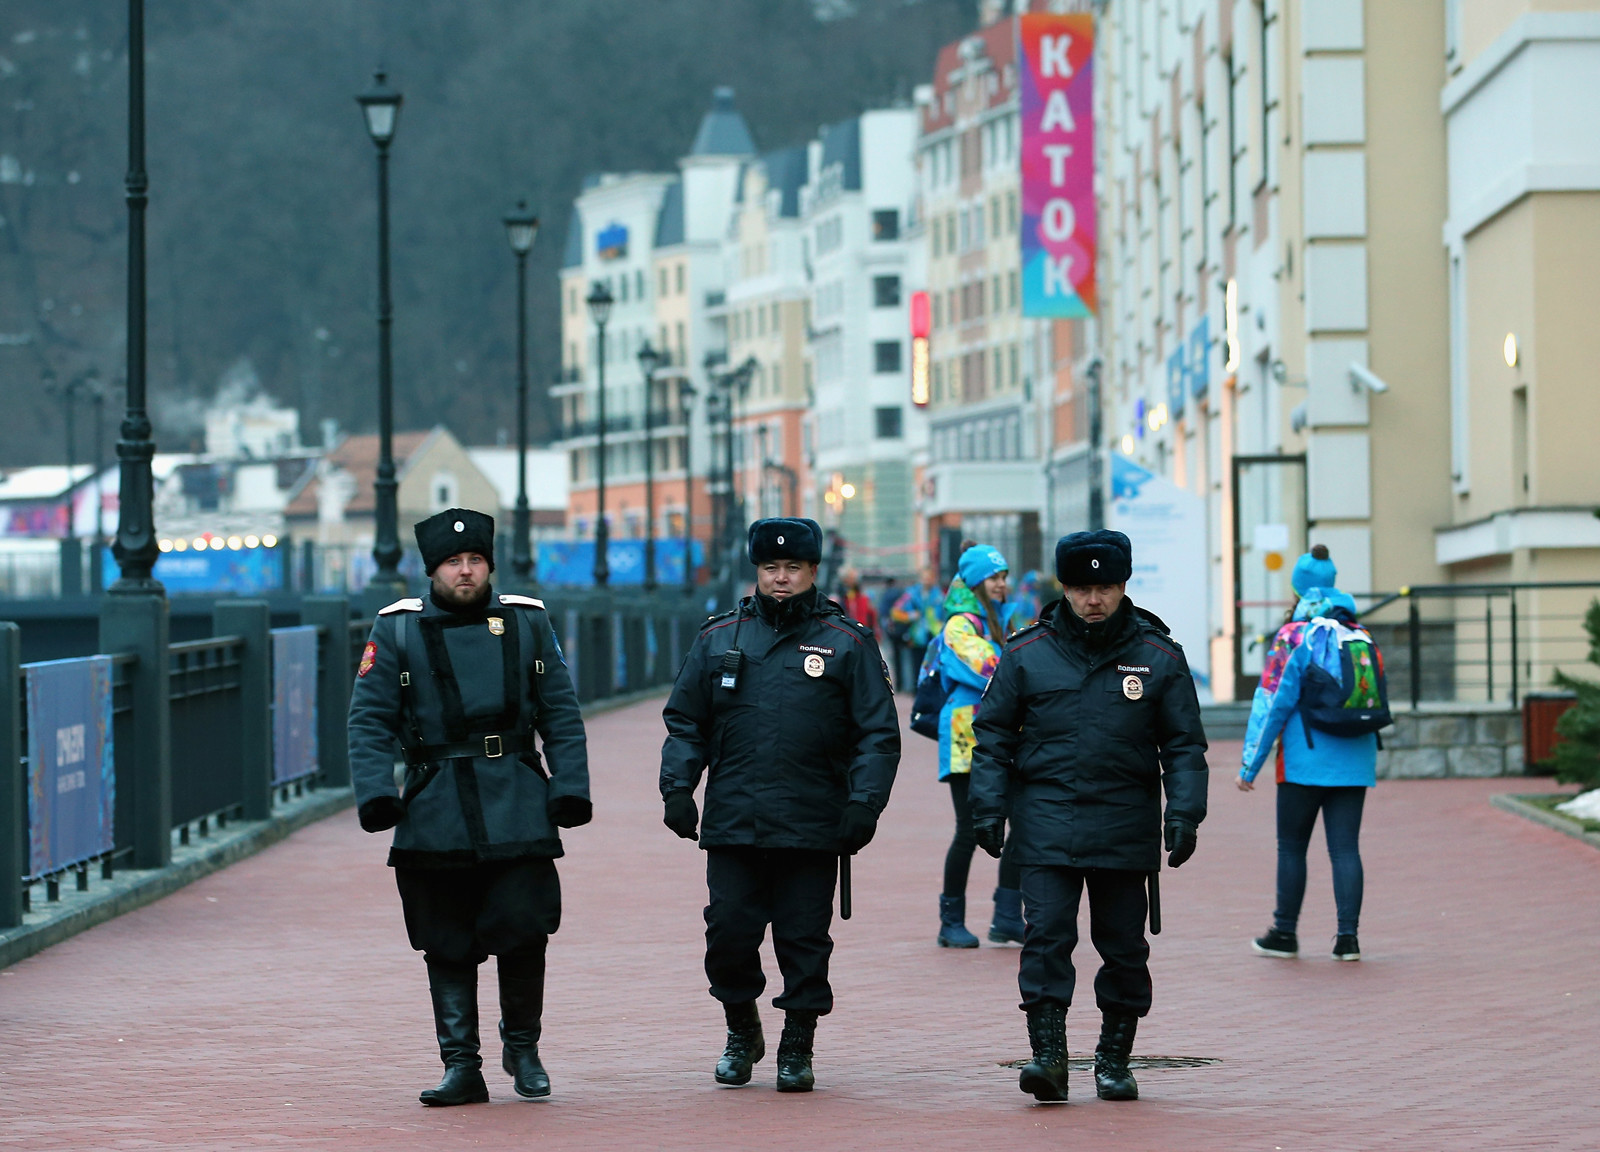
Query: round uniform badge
(814, 666)
(1132, 687)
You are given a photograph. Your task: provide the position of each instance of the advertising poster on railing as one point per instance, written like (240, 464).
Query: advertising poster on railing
(294, 703)
(1058, 208)
(1167, 526)
(72, 778)
(571, 562)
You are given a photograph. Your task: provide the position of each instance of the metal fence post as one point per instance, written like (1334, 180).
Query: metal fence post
(335, 673)
(252, 620)
(1414, 619)
(13, 793)
(141, 625)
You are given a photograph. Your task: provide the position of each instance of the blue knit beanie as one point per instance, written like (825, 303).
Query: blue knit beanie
(980, 562)
(1314, 570)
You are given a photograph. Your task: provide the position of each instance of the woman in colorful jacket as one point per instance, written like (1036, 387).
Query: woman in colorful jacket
(973, 632)
(1325, 773)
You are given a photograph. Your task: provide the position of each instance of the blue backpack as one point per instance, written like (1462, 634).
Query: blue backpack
(932, 691)
(1357, 702)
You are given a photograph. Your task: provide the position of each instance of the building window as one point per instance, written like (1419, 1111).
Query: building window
(937, 237)
(662, 277)
(889, 423)
(886, 356)
(950, 233)
(1011, 213)
(1016, 287)
(638, 283)
(886, 291)
(680, 279)
(886, 224)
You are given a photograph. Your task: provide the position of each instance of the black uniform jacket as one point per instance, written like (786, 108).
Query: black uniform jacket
(810, 727)
(472, 674)
(1075, 743)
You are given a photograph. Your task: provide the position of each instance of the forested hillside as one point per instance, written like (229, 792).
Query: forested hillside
(262, 211)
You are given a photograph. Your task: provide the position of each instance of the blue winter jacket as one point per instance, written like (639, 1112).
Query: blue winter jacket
(1334, 761)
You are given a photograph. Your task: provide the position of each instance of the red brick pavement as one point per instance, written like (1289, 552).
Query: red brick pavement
(277, 1005)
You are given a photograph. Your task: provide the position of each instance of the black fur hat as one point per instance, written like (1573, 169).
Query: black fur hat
(785, 538)
(454, 530)
(1103, 557)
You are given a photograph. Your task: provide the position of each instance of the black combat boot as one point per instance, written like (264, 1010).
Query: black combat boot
(1045, 1076)
(1112, 1080)
(794, 1052)
(746, 1044)
(455, 1018)
(521, 1010)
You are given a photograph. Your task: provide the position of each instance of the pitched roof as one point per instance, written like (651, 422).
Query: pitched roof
(572, 254)
(841, 144)
(358, 456)
(723, 131)
(669, 220)
(786, 174)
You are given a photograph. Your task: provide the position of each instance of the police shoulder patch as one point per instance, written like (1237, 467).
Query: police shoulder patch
(408, 604)
(521, 601)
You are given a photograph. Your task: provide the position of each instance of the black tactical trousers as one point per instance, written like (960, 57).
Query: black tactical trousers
(1118, 904)
(788, 888)
(462, 916)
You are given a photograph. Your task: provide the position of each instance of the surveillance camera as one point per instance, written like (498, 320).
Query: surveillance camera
(1299, 418)
(1280, 371)
(1362, 378)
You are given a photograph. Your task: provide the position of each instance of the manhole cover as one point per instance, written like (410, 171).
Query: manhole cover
(1084, 1063)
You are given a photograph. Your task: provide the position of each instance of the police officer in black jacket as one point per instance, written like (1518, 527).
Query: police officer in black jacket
(785, 704)
(462, 680)
(1091, 714)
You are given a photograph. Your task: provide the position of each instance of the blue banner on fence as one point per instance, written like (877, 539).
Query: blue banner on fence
(294, 703)
(246, 572)
(572, 561)
(72, 782)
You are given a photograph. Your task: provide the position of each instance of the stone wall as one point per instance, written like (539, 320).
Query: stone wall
(1452, 741)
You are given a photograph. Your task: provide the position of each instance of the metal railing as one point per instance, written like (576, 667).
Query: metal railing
(1488, 643)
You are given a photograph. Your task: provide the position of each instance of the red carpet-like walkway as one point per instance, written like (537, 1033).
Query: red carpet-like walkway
(277, 1004)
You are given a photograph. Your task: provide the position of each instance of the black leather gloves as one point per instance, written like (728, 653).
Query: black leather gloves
(381, 813)
(990, 835)
(1181, 838)
(681, 815)
(569, 811)
(858, 827)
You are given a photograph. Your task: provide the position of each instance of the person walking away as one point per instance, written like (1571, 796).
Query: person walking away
(920, 610)
(462, 680)
(858, 605)
(1317, 770)
(1090, 716)
(784, 706)
(967, 658)
(893, 631)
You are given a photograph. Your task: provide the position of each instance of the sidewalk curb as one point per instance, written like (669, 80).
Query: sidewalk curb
(124, 895)
(1510, 802)
(20, 943)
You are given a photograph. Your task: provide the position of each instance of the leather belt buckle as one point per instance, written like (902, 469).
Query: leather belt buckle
(493, 747)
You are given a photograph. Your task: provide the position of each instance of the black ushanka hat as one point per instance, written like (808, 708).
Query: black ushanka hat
(453, 531)
(1102, 557)
(785, 538)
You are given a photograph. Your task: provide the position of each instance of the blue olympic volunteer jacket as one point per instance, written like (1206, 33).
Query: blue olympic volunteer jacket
(1334, 761)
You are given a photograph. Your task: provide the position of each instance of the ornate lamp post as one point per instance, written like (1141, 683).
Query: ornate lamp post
(600, 301)
(649, 360)
(135, 547)
(381, 107)
(686, 394)
(521, 227)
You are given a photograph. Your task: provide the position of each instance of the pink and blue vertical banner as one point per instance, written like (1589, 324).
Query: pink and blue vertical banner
(1058, 206)
(72, 782)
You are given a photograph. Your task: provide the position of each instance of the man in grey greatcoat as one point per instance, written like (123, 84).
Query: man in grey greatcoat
(462, 680)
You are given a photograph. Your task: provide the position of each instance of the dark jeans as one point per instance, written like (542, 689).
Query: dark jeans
(461, 916)
(788, 888)
(1298, 805)
(958, 860)
(1118, 904)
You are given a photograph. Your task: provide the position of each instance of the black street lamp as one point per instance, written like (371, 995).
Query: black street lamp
(600, 301)
(135, 547)
(686, 394)
(521, 227)
(381, 107)
(97, 397)
(649, 361)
